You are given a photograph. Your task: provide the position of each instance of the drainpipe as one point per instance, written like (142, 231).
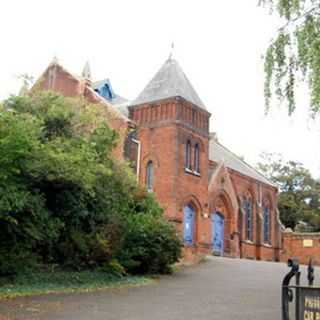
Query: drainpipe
(138, 158)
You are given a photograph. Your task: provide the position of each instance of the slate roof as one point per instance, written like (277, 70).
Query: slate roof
(170, 81)
(219, 153)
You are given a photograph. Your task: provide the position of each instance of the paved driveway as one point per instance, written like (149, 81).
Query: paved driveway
(220, 288)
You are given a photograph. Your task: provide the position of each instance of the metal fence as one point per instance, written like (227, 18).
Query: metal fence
(304, 298)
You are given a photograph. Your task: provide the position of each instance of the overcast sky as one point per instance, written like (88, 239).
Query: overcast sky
(219, 45)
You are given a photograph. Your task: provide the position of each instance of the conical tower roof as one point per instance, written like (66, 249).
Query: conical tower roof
(170, 81)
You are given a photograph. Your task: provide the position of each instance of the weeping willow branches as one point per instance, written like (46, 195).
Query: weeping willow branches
(294, 54)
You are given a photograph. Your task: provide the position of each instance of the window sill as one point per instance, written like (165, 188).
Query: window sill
(188, 170)
(195, 173)
(248, 241)
(267, 245)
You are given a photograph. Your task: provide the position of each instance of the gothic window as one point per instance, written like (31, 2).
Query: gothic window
(196, 158)
(248, 210)
(188, 155)
(266, 224)
(149, 176)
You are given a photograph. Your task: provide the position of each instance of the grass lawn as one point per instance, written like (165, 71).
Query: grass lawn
(66, 282)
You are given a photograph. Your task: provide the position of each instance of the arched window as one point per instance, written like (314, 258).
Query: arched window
(266, 224)
(188, 155)
(196, 158)
(248, 210)
(149, 176)
(188, 224)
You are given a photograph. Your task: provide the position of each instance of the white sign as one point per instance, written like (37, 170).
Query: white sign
(307, 243)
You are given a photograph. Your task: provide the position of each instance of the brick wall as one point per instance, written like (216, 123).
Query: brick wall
(302, 246)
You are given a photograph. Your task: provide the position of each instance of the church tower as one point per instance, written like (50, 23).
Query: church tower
(173, 129)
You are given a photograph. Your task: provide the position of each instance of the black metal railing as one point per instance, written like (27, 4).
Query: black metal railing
(307, 297)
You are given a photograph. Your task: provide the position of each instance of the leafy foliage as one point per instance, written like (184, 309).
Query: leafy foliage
(294, 54)
(299, 198)
(150, 245)
(63, 198)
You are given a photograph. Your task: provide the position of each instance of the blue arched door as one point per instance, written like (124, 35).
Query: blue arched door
(188, 228)
(217, 232)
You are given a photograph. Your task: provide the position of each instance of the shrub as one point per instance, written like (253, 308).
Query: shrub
(151, 245)
(16, 260)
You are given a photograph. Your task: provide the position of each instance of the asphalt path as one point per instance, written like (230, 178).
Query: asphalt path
(218, 289)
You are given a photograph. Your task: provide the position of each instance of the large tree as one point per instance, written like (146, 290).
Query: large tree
(65, 200)
(299, 198)
(294, 54)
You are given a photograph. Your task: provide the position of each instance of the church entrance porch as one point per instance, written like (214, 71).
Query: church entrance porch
(224, 235)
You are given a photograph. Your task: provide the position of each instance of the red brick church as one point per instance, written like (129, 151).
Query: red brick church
(218, 202)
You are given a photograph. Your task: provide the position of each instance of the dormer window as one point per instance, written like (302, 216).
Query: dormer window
(196, 164)
(106, 92)
(104, 89)
(188, 156)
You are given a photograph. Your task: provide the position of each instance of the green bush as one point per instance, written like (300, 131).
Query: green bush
(64, 200)
(151, 245)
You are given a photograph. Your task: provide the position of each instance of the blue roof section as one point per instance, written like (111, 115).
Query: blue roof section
(104, 88)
